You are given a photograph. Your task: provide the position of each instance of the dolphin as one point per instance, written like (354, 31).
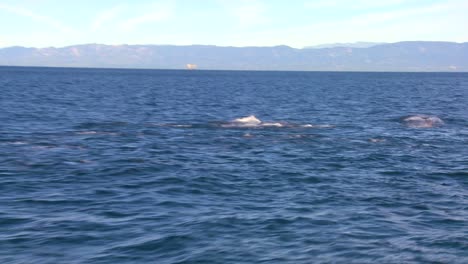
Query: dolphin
(422, 121)
(251, 121)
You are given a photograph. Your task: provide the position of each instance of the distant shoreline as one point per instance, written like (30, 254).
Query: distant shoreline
(408, 56)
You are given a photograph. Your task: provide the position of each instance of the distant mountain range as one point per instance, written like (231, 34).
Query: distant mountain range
(400, 56)
(359, 44)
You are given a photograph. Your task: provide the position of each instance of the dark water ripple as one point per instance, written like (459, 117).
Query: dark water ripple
(134, 166)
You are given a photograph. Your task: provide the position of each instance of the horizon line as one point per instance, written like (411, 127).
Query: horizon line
(214, 70)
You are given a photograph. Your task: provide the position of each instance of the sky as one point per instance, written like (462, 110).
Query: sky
(296, 23)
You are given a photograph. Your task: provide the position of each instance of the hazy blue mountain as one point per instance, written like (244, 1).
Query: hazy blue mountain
(359, 44)
(401, 56)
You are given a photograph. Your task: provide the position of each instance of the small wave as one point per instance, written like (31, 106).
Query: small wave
(42, 147)
(317, 126)
(171, 125)
(104, 124)
(92, 132)
(377, 140)
(86, 133)
(179, 125)
(300, 136)
(17, 143)
(84, 161)
(248, 135)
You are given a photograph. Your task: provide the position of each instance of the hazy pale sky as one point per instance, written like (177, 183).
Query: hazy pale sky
(297, 23)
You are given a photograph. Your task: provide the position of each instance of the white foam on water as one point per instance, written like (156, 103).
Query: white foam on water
(44, 147)
(181, 125)
(247, 135)
(299, 136)
(84, 161)
(317, 126)
(172, 125)
(18, 143)
(377, 140)
(86, 133)
(96, 133)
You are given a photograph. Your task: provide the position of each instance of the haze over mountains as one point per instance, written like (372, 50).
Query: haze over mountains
(400, 56)
(359, 44)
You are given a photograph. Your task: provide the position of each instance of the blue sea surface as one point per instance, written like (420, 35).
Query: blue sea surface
(145, 166)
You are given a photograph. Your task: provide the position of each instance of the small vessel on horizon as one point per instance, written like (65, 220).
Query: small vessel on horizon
(190, 66)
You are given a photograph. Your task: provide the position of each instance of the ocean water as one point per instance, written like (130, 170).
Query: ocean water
(147, 166)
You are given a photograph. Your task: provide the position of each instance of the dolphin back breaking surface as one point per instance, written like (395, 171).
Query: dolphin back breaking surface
(422, 121)
(246, 122)
(252, 121)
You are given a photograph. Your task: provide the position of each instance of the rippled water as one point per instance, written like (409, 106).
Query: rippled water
(139, 166)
